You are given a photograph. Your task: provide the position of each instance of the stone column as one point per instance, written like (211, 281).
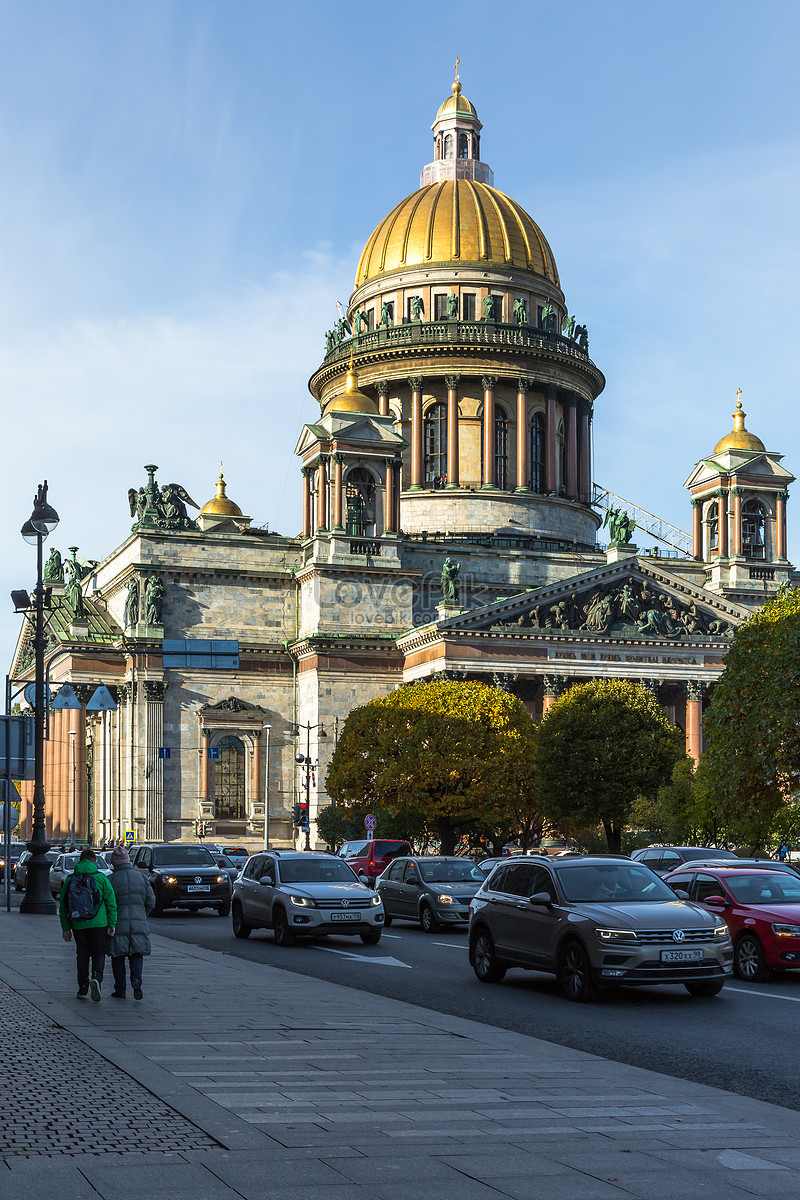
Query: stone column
(572, 447)
(694, 718)
(551, 457)
(389, 525)
(552, 687)
(383, 397)
(585, 452)
(523, 440)
(398, 466)
(722, 497)
(154, 775)
(697, 530)
(780, 525)
(256, 767)
(307, 501)
(337, 490)
(737, 521)
(489, 480)
(417, 435)
(452, 430)
(322, 494)
(84, 692)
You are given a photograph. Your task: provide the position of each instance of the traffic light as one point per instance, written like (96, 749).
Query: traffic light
(303, 815)
(200, 828)
(297, 813)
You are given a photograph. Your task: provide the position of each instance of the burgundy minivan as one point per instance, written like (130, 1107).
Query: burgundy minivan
(372, 858)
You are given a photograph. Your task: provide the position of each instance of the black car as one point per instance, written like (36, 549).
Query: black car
(15, 849)
(432, 891)
(184, 877)
(663, 859)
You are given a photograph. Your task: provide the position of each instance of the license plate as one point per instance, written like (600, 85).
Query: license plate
(681, 955)
(353, 916)
(204, 887)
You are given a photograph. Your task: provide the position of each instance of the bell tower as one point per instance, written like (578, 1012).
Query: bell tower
(739, 496)
(456, 142)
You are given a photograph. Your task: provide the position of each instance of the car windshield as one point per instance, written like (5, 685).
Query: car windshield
(70, 862)
(764, 889)
(182, 856)
(445, 870)
(315, 870)
(616, 882)
(699, 852)
(390, 849)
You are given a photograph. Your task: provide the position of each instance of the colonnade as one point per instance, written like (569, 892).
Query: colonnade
(324, 484)
(729, 517)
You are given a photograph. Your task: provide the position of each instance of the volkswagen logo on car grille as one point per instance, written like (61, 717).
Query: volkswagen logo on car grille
(345, 904)
(678, 935)
(198, 878)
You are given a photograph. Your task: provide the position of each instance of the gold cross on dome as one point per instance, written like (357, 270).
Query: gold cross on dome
(457, 62)
(738, 397)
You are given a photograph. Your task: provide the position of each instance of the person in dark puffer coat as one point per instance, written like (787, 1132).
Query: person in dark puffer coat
(131, 941)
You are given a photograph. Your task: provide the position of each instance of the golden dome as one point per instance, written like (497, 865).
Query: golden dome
(457, 105)
(352, 400)
(221, 506)
(456, 221)
(739, 438)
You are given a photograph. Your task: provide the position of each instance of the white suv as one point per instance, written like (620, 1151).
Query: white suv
(297, 894)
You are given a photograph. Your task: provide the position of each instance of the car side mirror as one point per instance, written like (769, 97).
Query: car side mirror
(364, 879)
(541, 898)
(265, 881)
(717, 901)
(680, 893)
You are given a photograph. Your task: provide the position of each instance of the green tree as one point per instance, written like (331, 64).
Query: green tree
(442, 759)
(600, 747)
(752, 758)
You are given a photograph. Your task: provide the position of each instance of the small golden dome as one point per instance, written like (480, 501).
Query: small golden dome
(456, 222)
(352, 400)
(221, 506)
(458, 105)
(739, 438)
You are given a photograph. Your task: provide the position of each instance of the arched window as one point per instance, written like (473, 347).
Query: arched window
(229, 775)
(435, 434)
(561, 452)
(537, 452)
(359, 494)
(753, 518)
(448, 146)
(712, 522)
(500, 447)
(463, 146)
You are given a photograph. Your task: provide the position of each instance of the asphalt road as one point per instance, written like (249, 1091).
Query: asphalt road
(744, 1040)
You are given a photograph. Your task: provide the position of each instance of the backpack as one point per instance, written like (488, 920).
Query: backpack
(83, 898)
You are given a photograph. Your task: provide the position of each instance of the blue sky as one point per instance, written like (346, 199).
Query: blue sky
(187, 185)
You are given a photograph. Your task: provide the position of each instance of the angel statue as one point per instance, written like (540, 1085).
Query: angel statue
(450, 572)
(620, 526)
(153, 600)
(520, 311)
(568, 326)
(137, 499)
(549, 317)
(173, 501)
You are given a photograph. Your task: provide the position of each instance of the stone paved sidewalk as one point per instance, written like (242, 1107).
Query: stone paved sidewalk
(276, 1085)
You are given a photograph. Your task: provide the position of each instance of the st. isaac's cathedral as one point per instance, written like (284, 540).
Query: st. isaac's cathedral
(448, 526)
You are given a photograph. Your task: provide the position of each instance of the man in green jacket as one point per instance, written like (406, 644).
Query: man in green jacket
(87, 908)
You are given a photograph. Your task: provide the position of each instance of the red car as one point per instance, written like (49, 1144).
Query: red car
(761, 908)
(372, 858)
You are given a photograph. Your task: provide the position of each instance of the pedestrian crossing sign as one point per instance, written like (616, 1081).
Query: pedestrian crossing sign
(130, 837)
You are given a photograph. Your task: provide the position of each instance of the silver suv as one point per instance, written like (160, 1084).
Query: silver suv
(595, 922)
(297, 894)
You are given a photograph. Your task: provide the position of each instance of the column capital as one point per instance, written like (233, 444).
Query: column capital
(452, 382)
(154, 690)
(307, 472)
(653, 686)
(553, 685)
(505, 681)
(737, 491)
(323, 460)
(695, 689)
(382, 387)
(415, 383)
(782, 496)
(337, 456)
(523, 385)
(697, 501)
(722, 493)
(489, 382)
(83, 691)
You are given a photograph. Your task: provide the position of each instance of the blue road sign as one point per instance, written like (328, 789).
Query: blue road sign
(213, 752)
(370, 822)
(200, 653)
(164, 751)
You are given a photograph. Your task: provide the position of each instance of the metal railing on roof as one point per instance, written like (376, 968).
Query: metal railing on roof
(658, 528)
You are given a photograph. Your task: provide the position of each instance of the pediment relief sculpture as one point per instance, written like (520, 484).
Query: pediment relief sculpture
(232, 705)
(629, 607)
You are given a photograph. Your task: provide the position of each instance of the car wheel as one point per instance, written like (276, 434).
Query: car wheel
(240, 927)
(387, 916)
(483, 959)
(711, 987)
(748, 960)
(284, 935)
(427, 919)
(574, 974)
(224, 909)
(372, 938)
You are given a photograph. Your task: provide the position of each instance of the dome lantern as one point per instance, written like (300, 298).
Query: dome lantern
(739, 438)
(456, 142)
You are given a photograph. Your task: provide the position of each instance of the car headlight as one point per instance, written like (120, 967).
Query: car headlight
(616, 935)
(170, 879)
(445, 899)
(221, 878)
(786, 930)
(302, 902)
(721, 931)
(376, 899)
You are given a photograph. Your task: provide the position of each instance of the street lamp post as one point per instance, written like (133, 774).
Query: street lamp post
(266, 793)
(73, 733)
(305, 761)
(38, 898)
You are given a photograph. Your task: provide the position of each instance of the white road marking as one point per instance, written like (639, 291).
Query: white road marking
(769, 995)
(383, 962)
(396, 936)
(450, 945)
